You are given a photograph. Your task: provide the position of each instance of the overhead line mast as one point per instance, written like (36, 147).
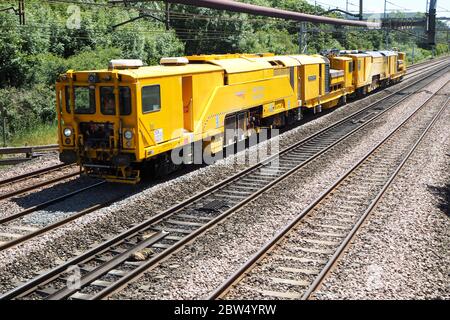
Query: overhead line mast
(20, 11)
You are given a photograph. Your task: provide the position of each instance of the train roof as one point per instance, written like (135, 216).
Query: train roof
(342, 58)
(242, 64)
(229, 63)
(297, 60)
(162, 71)
(374, 54)
(285, 60)
(388, 53)
(358, 55)
(314, 59)
(234, 62)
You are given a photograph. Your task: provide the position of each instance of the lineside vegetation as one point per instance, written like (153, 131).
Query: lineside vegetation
(79, 35)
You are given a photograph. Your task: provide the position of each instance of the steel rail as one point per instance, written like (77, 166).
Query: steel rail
(441, 58)
(28, 150)
(122, 282)
(37, 186)
(142, 226)
(47, 203)
(347, 241)
(57, 224)
(32, 174)
(228, 284)
(30, 153)
(425, 67)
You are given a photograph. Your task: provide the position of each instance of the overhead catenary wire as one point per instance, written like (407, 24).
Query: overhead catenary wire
(250, 9)
(187, 34)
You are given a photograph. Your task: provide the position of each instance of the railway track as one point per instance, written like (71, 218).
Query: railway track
(427, 62)
(33, 174)
(29, 152)
(417, 70)
(107, 268)
(13, 233)
(18, 190)
(295, 262)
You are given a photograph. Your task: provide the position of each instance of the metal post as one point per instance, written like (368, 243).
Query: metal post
(167, 16)
(21, 12)
(4, 128)
(302, 38)
(448, 43)
(360, 9)
(305, 37)
(386, 32)
(431, 31)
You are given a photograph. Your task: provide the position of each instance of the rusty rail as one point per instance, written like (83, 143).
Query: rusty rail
(29, 152)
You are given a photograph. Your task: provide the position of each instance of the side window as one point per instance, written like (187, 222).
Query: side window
(108, 101)
(151, 99)
(359, 65)
(350, 67)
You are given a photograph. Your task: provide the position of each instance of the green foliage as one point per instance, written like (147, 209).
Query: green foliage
(442, 48)
(49, 66)
(53, 41)
(25, 109)
(42, 134)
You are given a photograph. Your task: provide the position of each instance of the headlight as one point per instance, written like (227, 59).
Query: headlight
(128, 135)
(67, 132)
(92, 78)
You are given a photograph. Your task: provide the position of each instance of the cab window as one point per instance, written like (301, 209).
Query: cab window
(151, 99)
(84, 100)
(67, 97)
(108, 101)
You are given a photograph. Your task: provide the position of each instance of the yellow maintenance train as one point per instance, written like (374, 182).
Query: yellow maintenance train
(116, 121)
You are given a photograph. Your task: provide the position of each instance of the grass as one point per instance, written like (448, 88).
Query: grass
(42, 135)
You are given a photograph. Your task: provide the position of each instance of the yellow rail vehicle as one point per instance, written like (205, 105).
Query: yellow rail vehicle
(113, 122)
(373, 69)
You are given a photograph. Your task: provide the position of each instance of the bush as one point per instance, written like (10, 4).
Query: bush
(25, 109)
(442, 48)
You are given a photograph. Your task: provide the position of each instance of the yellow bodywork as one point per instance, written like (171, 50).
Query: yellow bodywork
(193, 101)
(372, 68)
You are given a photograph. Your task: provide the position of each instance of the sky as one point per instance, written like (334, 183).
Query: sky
(376, 6)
